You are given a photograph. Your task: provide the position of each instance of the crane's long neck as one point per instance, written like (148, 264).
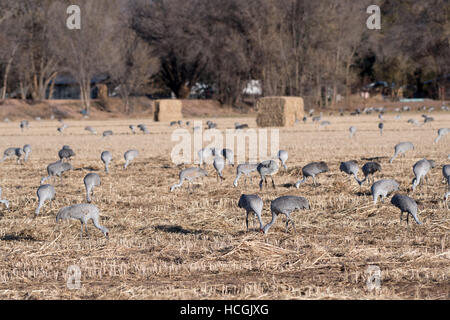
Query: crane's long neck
(393, 157)
(41, 203)
(237, 179)
(97, 224)
(267, 226)
(357, 180)
(299, 182)
(88, 193)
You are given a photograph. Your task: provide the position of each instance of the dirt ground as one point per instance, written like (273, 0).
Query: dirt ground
(193, 244)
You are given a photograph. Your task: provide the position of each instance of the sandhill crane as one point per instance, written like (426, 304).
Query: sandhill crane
(324, 123)
(66, 153)
(317, 118)
(44, 192)
(219, 165)
(397, 117)
(129, 156)
(446, 174)
(90, 129)
(383, 188)
(369, 169)
(26, 150)
(56, 169)
(311, 170)
(204, 155)
(283, 156)
(352, 131)
(10, 152)
(83, 212)
(91, 180)
(286, 205)
(251, 203)
(406, 204)
(106, 157)
(413, 121)
(246, 169)
(401, 148)
(4, 201)
(107, 133)
(381, 126)
(420, 170)
(228, 155)
(350, 168)
(132, 128)
(267, 168)
(239, 126)
(24, 124)
(441, 132)
(189, 174)
(143, 128)
(62, 128)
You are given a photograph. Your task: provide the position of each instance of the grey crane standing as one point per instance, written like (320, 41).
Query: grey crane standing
(368, 169)
(350, 168)
(381, 126)
(441, 132)
(267, 168)
(27, 150)
(4, 201)
(251, 203)
(62, 128)
(406, 204)
(90, 129)
(219, 165)
(56, 169)
(246, 169)
(446, 174)
(44, 192)
(352, 131)
(189, 174)
(311, 170)
(143, 128)
(107, 133)
(91, 180)
(283, 156)
(401, 148)
(132, 128)
(129, 156)
(106, 157)
(66, 153)
(24, 124)
(383, 188)
(204, 155)
(286, 205)
(83, 212)
(228, 155)
(10, 152)
(420, 170)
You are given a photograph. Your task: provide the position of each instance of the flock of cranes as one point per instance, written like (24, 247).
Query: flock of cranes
(220, 158)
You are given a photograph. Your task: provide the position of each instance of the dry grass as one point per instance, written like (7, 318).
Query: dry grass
(186, 245)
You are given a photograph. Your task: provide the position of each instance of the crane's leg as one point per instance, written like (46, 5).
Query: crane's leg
(401, 216)
(261, 183)
(246, 220)
(314, 180)
(85, 229)
(81, 233)
(407, 218)
(273, 182)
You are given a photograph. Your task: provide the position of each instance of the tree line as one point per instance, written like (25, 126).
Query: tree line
(315, 49)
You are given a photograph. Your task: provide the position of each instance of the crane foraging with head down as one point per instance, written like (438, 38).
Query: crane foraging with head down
(251, 203)
(82, 212)
(286, 205)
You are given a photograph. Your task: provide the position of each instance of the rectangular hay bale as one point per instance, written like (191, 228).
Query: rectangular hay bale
(167, 110)
(279, 111)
